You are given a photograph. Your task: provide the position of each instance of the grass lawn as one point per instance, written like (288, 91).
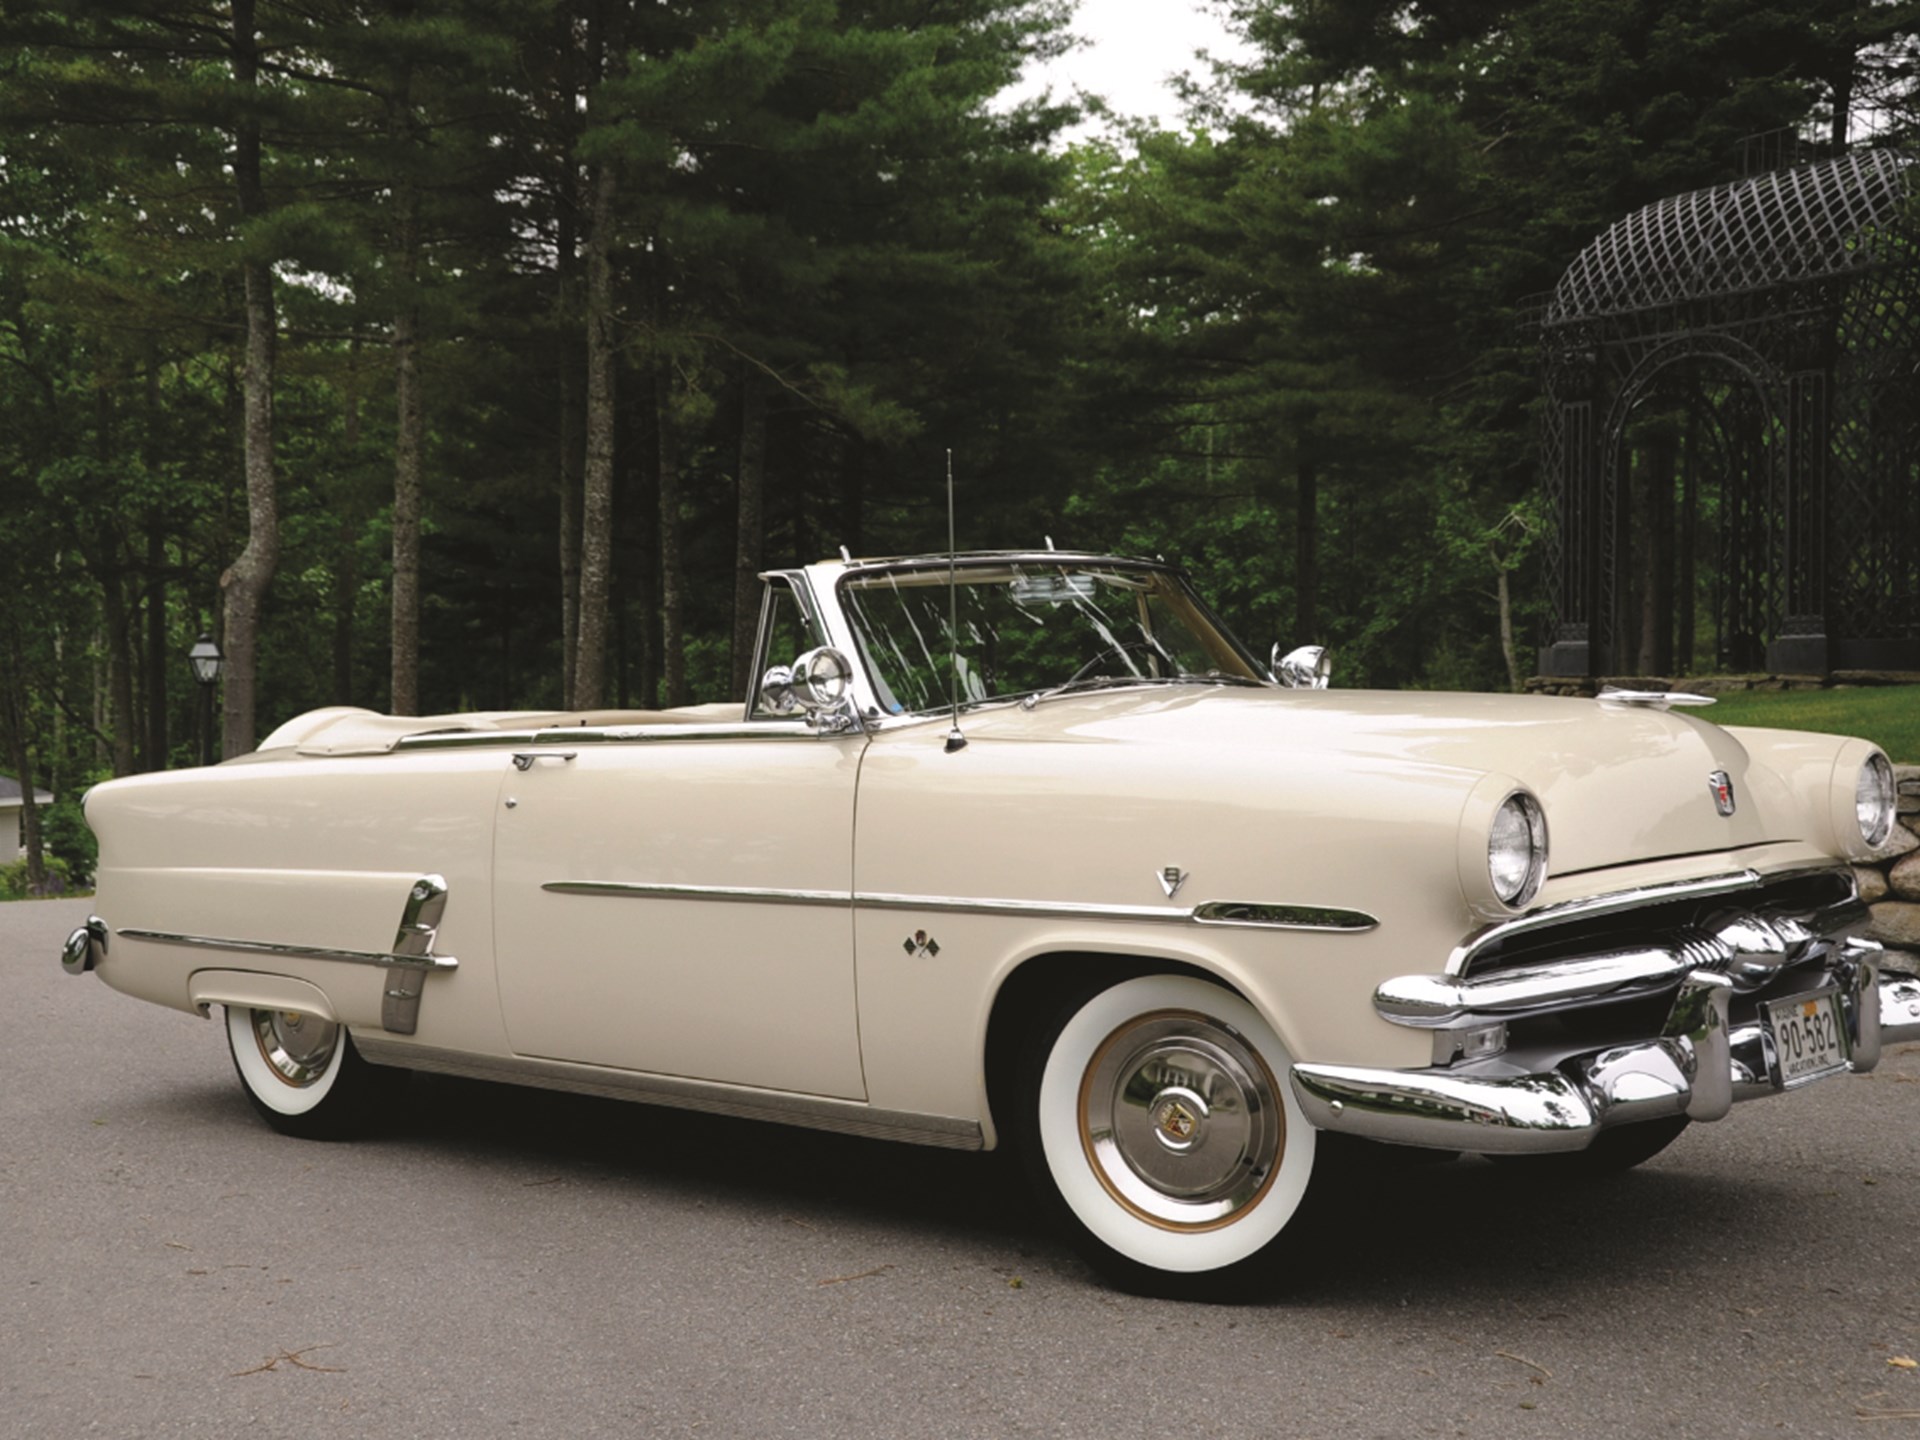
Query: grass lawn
(1887, 715)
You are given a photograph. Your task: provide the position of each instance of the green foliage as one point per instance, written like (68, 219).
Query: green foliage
(15, 885)
(1889, 715)
(1282, 346)
(69, 841)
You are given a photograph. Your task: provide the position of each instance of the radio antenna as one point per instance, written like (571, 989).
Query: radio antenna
(955, 740)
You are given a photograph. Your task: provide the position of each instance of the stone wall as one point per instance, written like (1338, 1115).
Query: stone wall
(1891, 883)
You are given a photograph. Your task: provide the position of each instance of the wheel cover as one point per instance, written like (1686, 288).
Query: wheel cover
(297, 1047)
(1180, 1121)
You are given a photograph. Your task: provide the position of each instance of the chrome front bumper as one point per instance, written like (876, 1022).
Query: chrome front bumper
(1699, 1072)
(1552, 1093)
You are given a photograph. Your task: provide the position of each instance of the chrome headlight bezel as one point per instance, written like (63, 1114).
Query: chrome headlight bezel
(1517, 850)
(1875, 800)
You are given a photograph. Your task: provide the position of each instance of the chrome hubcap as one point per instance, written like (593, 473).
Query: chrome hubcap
(1180, 1120)
(295, 1046)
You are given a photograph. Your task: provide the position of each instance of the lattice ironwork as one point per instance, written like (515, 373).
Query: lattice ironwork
(1780, 228)
(1731, 443)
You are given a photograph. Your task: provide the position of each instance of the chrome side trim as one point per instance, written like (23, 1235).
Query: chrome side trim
(310, 952)
(736, 894)
(847, 1117)
(1283, 917)
(419, 928)
(605, 735)
(1034, 909)
(1612, 903)
(1238, 913)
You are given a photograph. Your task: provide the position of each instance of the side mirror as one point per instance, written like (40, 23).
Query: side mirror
(821, 679)
(820, 684)
(776, 691)
(1308, 668)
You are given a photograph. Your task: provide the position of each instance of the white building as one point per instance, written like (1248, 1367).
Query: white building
(12, 844)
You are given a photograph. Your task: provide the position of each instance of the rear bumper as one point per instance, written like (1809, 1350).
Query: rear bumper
(1700, 1065)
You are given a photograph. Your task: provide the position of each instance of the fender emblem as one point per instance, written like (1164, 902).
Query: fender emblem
(1171, 879)
(1721, 784)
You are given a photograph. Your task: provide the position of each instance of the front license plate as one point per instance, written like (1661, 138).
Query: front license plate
(1809, 1034)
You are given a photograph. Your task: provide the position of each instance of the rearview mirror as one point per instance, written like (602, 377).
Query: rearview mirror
(1308, 668)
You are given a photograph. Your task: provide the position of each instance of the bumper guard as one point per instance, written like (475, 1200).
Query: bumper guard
(1699, 1064)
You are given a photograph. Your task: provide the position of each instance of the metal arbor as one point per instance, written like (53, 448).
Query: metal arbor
(1731, 439)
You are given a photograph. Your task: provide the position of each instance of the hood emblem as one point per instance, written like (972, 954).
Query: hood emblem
(1171, 879)
(1721, 784)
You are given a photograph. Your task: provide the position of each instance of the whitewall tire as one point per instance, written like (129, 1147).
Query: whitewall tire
(1161, 1117)
(302, 1074)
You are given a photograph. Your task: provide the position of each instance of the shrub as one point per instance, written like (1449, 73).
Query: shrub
(69, 839)
(13, 880)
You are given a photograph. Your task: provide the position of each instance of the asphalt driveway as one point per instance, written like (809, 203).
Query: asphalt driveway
(517, 1263)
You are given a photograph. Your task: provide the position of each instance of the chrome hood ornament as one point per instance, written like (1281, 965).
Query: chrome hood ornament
(1652, 699)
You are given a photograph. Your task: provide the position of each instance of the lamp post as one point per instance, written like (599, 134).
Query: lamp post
(206, 662)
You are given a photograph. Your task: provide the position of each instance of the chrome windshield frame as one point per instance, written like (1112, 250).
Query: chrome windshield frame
(826, 582)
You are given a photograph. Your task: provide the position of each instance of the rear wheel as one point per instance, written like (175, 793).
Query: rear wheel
(1158, 1122)
(302, 1074)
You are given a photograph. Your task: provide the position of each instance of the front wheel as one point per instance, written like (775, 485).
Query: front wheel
(1158, 1120)
(302, 1074)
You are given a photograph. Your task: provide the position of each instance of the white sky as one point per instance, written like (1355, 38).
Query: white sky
(1135, 46)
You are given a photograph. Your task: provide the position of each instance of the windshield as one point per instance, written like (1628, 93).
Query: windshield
(1030, 628)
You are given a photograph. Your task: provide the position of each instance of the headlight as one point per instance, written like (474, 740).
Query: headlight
(1517, 850)
(1873, 801)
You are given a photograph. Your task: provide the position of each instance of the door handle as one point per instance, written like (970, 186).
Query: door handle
(523, 759)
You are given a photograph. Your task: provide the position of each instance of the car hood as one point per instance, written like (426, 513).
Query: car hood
(1619, 783)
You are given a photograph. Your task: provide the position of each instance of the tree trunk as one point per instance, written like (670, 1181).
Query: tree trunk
(409, 440)
(102, 686)
(158, 660)
(156, 657)
(572, 460)
(1840, 123)
(1656, 588)
(346, 569)
(572, 469)
(645, 587)
(1306, 569)
(1505, 591)
(596, 517)
(244, 585)
(121, 723)
(410, 421)
(13, 729)
(749, 551)
(1689, 543)
(673, 654)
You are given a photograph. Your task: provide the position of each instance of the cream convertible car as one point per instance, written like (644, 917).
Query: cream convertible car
(1089, 880)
